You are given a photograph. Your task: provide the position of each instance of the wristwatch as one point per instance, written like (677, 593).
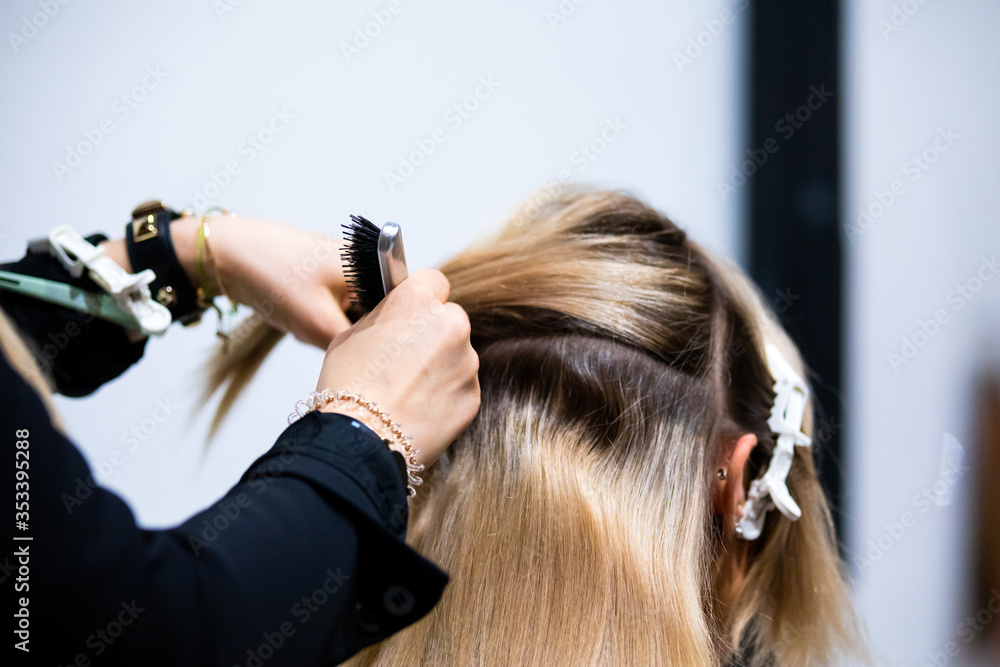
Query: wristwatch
(147, 238)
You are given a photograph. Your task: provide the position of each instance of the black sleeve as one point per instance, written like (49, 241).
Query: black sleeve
(78, 351)
(302, 563)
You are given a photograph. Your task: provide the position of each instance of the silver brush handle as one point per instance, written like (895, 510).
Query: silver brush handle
(391, 258)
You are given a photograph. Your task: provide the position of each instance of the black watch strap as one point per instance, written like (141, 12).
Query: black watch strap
(147, 238)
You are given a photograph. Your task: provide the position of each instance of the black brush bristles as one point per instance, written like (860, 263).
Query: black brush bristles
(360, 258)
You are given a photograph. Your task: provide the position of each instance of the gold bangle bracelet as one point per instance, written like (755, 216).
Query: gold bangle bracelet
(206, 295)
(203, 291)
(215, 264)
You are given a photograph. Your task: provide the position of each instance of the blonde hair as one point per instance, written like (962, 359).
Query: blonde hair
(618, 358)
(21, 360)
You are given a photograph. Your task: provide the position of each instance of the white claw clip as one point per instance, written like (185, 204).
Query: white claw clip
(130, 290)
(769, 490)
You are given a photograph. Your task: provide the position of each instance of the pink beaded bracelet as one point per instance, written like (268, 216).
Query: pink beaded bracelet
(317, 399)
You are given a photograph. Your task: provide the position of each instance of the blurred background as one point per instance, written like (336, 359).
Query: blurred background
(840, 151)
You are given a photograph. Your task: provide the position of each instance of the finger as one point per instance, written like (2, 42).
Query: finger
(343, 337)
(429, 279)
(332, 322)
(421, 286)
(457, 320)
(322, 319)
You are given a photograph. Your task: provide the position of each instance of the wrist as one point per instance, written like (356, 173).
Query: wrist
(357, 413)
(370, 413)
(117, 251)
(150, 245)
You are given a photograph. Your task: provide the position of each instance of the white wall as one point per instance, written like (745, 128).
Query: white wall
(912, 76)
(558, 85)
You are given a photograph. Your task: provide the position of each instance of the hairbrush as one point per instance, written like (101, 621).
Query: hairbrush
(374, 261)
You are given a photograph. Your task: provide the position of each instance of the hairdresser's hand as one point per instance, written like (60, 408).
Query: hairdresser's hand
(412, 356)
(292, 277)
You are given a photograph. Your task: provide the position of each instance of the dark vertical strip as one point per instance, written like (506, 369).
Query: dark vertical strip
(794, 204)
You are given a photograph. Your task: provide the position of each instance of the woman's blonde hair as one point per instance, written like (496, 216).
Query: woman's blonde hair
(618, 360)
(20, 358)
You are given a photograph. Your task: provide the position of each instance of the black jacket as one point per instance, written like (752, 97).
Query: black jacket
(301, 563)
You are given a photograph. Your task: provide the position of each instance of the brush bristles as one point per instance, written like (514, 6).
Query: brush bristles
(361, 268)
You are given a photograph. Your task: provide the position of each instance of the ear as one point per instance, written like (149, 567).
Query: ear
(728, 496)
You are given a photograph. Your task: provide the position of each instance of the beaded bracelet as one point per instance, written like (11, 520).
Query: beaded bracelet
(317, 399)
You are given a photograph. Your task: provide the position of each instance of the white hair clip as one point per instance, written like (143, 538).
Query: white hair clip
(769, 490)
